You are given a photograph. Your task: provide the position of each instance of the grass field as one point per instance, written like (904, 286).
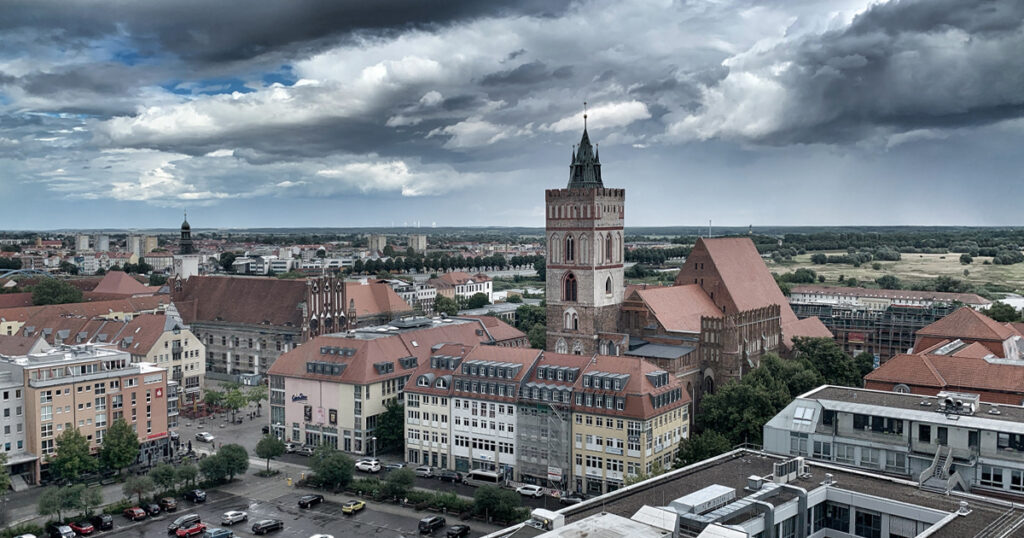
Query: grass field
(914, 268)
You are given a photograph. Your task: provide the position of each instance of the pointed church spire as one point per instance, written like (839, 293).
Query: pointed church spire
(585, 170)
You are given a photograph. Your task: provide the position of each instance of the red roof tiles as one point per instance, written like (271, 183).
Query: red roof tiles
(966, 324)
(679, 308)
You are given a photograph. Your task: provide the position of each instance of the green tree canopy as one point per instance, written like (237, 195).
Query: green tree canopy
(514, 298)
(120, 446)
(138, 485)
(541, 267)
(236, 459)
(269, 447)
(213, 397)
(1002, 312)
(446, 305)
(538, 335)
(227, 259)
(494, 502)
(390, 430)
(164, 476)
(701, 446)
(89, 499)
(56, 500)
(888, 282)
(73, 457)
(257, 393)
(186, 474)
(529, 315)
(825, 356)
(53, 291)
(399, 482)
(478, 300)
(214, 468)
(332, 469)
(235, 399)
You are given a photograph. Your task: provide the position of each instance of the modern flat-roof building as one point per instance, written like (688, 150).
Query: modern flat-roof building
(747, 493)
(948, 442)
(88, 387)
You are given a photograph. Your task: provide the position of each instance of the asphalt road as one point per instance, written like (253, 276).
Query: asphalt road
(323, 518)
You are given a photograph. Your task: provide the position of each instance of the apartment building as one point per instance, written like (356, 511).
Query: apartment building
(628, 419)
(169, 344)
(462, 284)
(88, 387)
(428, 410)
(948, 442)
(12, 423)
(333, 389)
(484, 415)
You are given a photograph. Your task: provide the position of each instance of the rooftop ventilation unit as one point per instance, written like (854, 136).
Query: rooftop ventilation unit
(787, 471)
(704, 500)
(958, 403)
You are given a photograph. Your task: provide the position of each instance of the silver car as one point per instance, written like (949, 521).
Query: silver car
(232, 517)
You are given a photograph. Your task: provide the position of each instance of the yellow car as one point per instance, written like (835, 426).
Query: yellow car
(352, 507)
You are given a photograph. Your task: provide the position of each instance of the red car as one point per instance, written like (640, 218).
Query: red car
(135, 513)
(195, 529)
(82, 528)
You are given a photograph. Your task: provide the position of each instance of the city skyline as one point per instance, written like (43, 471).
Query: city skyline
(373, 115)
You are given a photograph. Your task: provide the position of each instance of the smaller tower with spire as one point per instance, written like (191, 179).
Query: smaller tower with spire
(185, 244)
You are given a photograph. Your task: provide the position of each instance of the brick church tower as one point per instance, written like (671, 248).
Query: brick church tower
(585, 254)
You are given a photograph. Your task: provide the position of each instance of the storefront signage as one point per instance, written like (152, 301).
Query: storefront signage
(300, 397)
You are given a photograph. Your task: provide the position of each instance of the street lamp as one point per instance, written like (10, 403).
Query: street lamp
(374, 439)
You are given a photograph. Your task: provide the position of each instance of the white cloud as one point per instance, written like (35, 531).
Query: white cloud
(371, 176)
(471, 133)
(603, 116)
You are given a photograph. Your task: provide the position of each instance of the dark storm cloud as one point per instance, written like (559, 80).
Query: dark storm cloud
(897, 67)
(228, 31)
(528, 73)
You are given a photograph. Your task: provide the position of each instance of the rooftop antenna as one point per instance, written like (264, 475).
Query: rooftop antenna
(709, 228)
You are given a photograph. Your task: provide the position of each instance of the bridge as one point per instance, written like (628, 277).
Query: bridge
(7, 273)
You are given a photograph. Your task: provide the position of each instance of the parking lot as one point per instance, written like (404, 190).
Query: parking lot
(323, 518)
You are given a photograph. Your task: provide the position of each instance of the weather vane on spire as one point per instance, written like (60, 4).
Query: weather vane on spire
(584, 115)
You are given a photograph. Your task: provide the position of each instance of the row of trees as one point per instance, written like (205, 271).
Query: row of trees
(73, 460)
(422, 264)
(234, 397)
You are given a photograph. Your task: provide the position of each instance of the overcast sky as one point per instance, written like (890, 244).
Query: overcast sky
(356, 113)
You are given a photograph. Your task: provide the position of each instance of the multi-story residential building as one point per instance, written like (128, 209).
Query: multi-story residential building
(377, 243)
(88, 387)
(160, 261)
(545, 420)
(169, 344)
(418, 243)
(418, 295)
(628, 419)
(81, 242)
(881, 322)
(462, 284)
(12, 423)
(102, 243)
(428, 409)
(334, 388)
(484, 408)
(951, 441)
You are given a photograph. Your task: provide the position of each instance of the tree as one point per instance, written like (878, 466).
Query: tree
(701, 446)
(164, 476)
(186, 474)
(399, 482)
(529, 315)
(268, 448)
(888, 282)
(1002, 312)
(55, 501)
(89, 499)
(234, 400)
(825, 356)
(214, 468)
(73, 457)
(53, 291)
(537, 335)
(213, 398)
(227, 260)
(332, 469)
(966, 259)
(492, 501)
(257, 393)
(157, 279)
(446, 305)
(514, 298)
(5, 475)
(819, 258)
(478, 300)
(65, 267)
(740, 409)
(852, 282)
(120, 446)
(390, 430)
(864, 363)
(236, 459)
(137, 485)
(541, 267)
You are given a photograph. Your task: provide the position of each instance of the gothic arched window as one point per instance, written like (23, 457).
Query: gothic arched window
(570, 249)
(561, 346)
(608, 286)
(608, 248)
(569, 289)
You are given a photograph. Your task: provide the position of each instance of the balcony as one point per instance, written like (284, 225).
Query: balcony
(613, 450)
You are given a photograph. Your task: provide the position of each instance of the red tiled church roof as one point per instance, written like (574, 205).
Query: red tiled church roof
(679, 308)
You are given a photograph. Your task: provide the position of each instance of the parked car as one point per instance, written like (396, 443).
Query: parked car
(103, 522)
(33, 536)
(290, 447)
(305, 450)
(424, 471)
(264, 526)
(322, 536)
(169, 504)
(530, 490)
(368, 466)
(216, 532)
(307, 501)
(570, 498)
(60, 531)
(83, 528)
(134, 513)
(153, 509)
(186, 520)
(232, 517)
(205, 437)
(450, 476)
(393, 466)
(194, 529)
(195, 495)
(352, 507)
(431, 523)
(458, 531)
